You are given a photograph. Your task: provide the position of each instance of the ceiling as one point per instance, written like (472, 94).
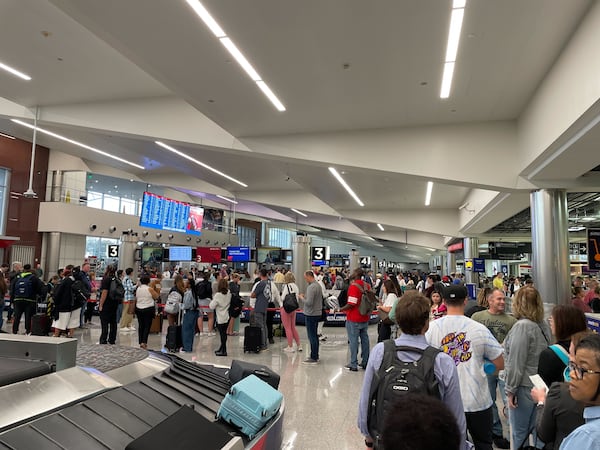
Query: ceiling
(343, 68)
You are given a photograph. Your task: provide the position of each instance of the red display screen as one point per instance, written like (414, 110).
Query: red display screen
(211, 255)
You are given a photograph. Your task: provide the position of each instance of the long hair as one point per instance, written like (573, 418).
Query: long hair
(528, 304)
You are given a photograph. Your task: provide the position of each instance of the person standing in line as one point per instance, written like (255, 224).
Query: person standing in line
(390, 296)
(24, 292)
(313, 308)
(357, 324)
(526, 340)
(220, 303)
(83, 275)
(204, 292)
(469, 343)
(499, 323)
(126, 323)
(107, 307)
(585, 387)
(262, 293)
(145, 309)
(289, 319)
(234, 322)
(3, 292)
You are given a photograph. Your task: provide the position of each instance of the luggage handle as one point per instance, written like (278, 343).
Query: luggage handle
(261, 373)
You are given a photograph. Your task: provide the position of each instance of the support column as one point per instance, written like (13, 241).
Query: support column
(354, 260)
(374, 265)
(471, 250)
(52, 262)
(127, 251)
(451, 262)
(550, 246)
(301, 259)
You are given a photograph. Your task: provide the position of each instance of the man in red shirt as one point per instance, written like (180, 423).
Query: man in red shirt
(357, 324)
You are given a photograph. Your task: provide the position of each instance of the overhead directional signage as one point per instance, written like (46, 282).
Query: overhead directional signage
(113, 251)
(479, 265)
(319, 253)
(365, 261)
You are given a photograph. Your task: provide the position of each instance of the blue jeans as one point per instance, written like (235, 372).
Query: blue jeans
(358, 330)
(522, 418)
(312, 322)
(493, 383)
(188, 328)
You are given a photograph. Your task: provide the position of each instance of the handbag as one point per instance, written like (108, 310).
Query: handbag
(384, 317)
(290, 302)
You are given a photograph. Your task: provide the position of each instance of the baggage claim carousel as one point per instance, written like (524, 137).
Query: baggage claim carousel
(56, 395)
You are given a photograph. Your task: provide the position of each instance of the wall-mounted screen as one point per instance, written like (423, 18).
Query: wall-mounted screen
(194, 224)
(268, 255)
(164, 213)
(210, 255)
(152, 256)
(238, 254)
(286, 256)
(180, 253)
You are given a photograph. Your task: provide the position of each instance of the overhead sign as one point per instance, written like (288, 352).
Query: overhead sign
(508, 250)
(455, 247)
(113, 251)
(319, 253)
(593, 238)
(479, 265)
(365, 261)
(578, 251)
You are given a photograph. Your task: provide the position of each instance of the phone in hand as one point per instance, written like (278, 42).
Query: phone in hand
(538, 382)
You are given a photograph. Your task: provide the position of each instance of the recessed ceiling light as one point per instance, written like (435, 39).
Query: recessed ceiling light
(200, 163)
(428, 193)
(227, 199)
(15, 72)
(456, 21)
(380, 227)
(576, 228)
(212, 24)
(79, 144)
(299, 212)
(346, 186)
(6, 136)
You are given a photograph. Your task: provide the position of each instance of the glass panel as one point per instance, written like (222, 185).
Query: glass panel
(111, 203)
(94, 200)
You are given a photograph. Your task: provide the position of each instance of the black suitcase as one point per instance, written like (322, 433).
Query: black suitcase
(174, 341)
(252, 339)
(40, 324)
(241, 369)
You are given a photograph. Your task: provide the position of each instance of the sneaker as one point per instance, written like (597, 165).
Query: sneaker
(350, 368)
(182, 351)
(123, 329)
(323, 338)
(500, 441)
(131, 328)
(212, 333)
(289, 350)
(310, 362)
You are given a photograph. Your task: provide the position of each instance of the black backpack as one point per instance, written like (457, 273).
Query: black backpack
(79, 294)
(396, 378)
(24, 287)
(117, 290)
(203, 290)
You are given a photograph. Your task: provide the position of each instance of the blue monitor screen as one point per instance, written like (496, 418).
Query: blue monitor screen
(238, 254)
(180, 253)
(164, 213)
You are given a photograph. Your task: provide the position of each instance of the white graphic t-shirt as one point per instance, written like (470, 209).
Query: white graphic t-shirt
(468, 343)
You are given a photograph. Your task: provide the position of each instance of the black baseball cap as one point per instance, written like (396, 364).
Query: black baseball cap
(455, 291)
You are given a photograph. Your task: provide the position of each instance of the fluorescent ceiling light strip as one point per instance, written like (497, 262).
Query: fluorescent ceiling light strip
(15, 72)
(241, 59)
(195, 161)
(79, 144)
(380, 227)
(272, 97)
(348, 188)
(208, 20)
(7, 136)
(456, 20)
(428, 194)
(447, 80)
(227, 199)
(459, 4)
(299, 212)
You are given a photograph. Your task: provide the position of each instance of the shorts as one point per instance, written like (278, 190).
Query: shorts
(67, 320)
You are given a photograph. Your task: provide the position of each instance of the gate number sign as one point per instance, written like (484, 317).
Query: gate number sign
(113, 251)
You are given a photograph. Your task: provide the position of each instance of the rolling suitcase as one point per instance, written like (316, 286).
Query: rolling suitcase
(252, 339)
(250, 404)
(40, 324)
(241, 369)
(174, 339)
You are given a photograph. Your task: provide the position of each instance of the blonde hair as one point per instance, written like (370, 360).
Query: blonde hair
(289, 277)
(527, 304)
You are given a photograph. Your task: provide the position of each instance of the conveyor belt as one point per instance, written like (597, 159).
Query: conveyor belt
(113, 419)
(13, 370)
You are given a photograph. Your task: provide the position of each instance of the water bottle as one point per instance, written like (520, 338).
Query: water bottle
(488, 367)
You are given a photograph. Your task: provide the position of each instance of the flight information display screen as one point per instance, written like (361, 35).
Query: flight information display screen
(164, 213)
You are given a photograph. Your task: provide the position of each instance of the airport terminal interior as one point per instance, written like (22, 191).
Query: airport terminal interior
(432, 136)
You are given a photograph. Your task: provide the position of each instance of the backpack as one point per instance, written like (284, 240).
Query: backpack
(203, 289)
(396, 378)
(79, 294)
(267, 290)
(236, 305)
(116, 291)
(368, 300)
(24, 287)
(173, 302)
